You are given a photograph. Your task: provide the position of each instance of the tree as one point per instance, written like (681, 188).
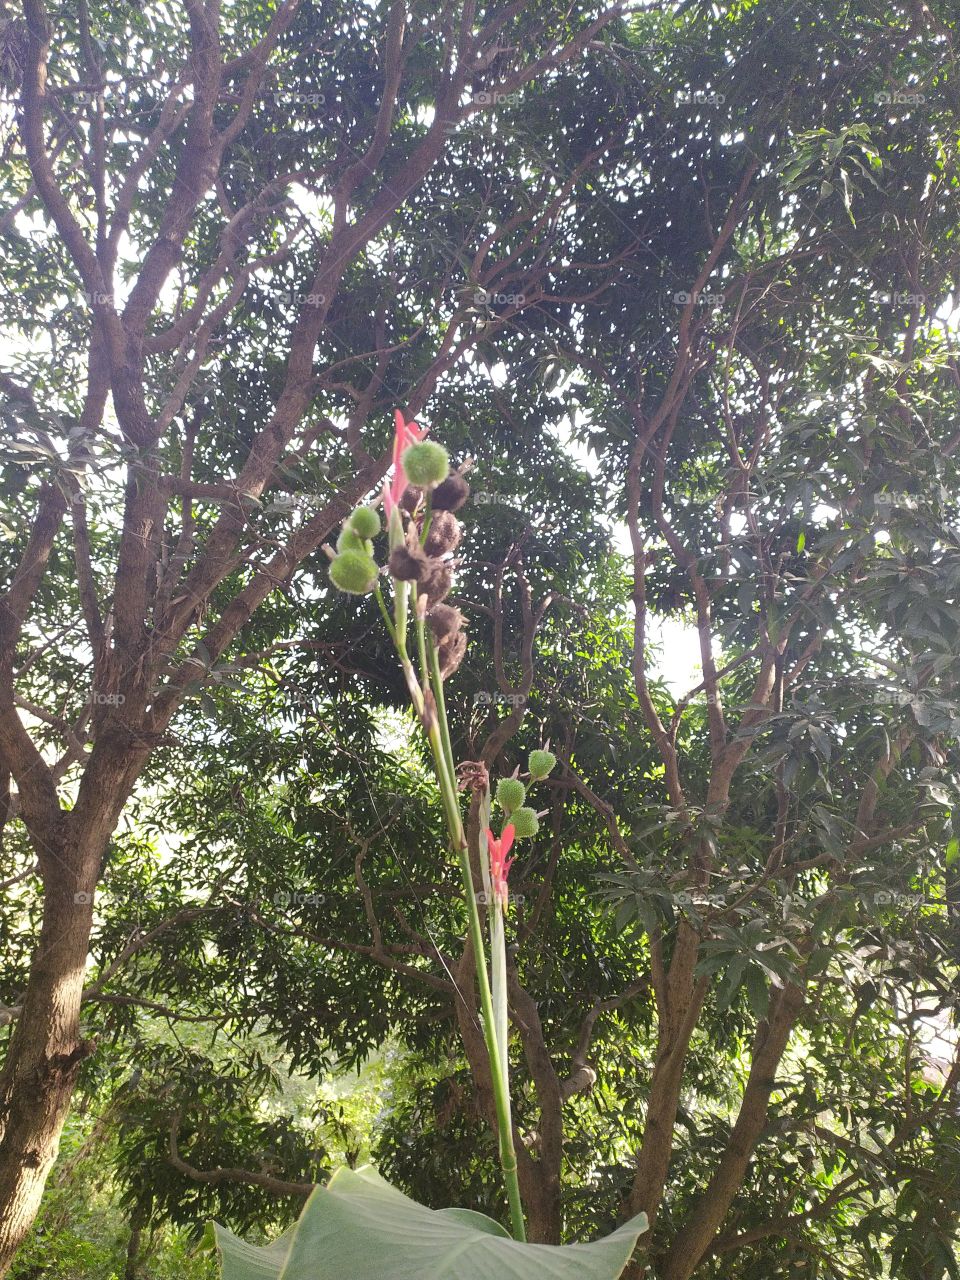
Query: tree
(157, 154)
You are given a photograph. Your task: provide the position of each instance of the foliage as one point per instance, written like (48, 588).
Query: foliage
(686, 303)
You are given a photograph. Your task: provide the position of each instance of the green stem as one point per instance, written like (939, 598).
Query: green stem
(437, 681)
(421, 640)
(438, 734)
(501, 1098)
(496, 1052)
(427, 517)
(386, 616)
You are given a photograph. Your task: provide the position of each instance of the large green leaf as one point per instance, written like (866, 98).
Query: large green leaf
(358, 1227)
(242, 1261)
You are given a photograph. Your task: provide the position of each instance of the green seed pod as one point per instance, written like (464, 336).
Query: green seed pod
(353, 571)
(426, 464)
(350, 540)
(525, 823)
(511, 794)
(365, 522)
(541, 764)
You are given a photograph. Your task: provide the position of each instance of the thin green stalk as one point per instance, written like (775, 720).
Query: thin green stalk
(448, 795)
(501, 1099)
(386, 616)
(498, 974)
(496, 1044)
(401, 592)
(438, 734)
(421, 641)
(427, 517)
(437, 681)
(498, 958)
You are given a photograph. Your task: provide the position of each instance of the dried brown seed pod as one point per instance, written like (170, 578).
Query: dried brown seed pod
(444, 619)
(447, 625)
(473, 774)
(443, 535)
(408, 565)
(452, 494)
(411, 498)
(450, 653)
(436, 581)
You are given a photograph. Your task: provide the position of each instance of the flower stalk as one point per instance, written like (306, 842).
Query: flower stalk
(423, 489)
(493, 1004)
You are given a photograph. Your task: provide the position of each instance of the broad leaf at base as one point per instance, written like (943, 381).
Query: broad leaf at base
(358, 1227)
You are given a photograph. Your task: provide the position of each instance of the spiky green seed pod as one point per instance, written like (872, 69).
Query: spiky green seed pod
(525, 823)
(353, 571)
(541, 764)
(365, 522)
(350, 540)
(426, 464)
(510, 794)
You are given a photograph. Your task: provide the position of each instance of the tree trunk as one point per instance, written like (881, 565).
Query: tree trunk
(42, 1062)
(683, 1000)
(138, 1220)
(543, 1205)
(46, 1049)
(133, 1253)
(693, 1240)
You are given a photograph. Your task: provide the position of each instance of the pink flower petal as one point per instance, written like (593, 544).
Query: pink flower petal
(404, 434)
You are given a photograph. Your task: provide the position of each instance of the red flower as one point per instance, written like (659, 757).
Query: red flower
(500, 864)
(406, 433)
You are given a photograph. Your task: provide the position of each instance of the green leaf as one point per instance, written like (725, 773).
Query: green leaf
(242, 1261)
(479, 1221)
(758, 994)
(626, 912)
(358, 1227)
(821, 741)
